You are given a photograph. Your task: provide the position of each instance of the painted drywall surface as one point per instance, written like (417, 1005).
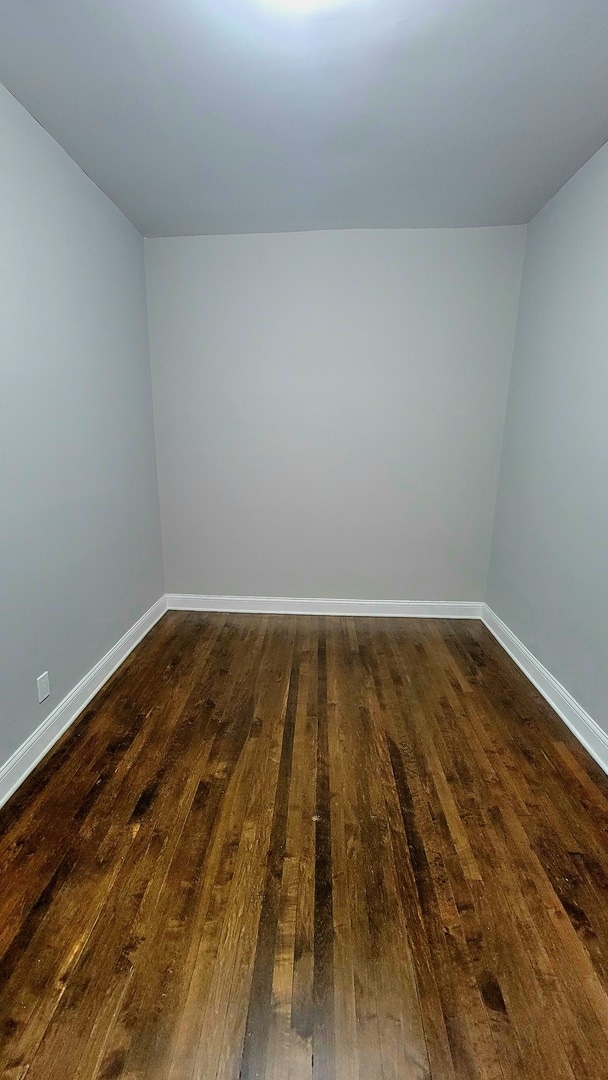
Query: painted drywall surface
(548, 577)
(234, 116)
(329, 409)
(80, 538)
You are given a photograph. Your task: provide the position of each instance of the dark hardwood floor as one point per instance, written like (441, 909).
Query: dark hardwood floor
(297, 848)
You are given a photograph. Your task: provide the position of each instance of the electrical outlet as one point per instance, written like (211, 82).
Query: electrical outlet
(44, 689)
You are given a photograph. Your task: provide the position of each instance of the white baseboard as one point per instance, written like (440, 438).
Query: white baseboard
(581, 724)
(31, 752)
(27, 756)
(285, 605)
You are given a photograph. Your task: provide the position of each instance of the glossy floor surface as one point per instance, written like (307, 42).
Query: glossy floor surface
(301, 848)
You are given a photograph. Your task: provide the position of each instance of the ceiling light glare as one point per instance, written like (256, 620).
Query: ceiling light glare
(304, 7)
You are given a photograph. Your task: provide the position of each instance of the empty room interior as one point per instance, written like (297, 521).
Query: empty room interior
(304, 574)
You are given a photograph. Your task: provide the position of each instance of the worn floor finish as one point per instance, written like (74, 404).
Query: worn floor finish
(292, 848)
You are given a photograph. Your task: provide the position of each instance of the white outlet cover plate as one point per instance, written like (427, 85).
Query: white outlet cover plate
(42, 682)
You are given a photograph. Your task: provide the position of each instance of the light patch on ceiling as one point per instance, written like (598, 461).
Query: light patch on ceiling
(304, 7)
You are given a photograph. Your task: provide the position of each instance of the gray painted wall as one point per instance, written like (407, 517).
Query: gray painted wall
(549, 568)
(329, 409)
(80, 538)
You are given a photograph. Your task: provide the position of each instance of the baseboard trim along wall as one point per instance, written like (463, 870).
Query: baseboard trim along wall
(581, 724)
(27, 756)
(285, 605)
(31, 752)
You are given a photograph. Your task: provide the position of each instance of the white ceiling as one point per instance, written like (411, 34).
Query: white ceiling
(214, 116)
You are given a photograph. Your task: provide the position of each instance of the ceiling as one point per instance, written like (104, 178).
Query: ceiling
(227, 116)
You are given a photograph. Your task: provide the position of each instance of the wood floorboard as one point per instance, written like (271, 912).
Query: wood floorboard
(300, 848)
